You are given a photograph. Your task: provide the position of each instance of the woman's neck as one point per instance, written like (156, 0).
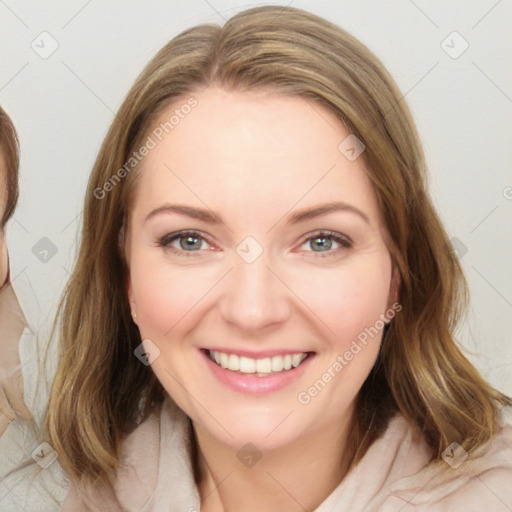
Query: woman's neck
(295, 477)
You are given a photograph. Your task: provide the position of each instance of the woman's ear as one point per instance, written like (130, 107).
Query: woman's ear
(394, 288)
(131, 298)
(124, 250)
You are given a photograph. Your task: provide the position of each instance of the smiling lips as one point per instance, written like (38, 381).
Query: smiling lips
(258, 367)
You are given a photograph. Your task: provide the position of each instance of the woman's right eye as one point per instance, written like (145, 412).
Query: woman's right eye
(183, 243)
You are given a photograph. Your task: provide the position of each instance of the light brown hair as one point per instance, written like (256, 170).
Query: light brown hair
(101, 389)
(9, 164)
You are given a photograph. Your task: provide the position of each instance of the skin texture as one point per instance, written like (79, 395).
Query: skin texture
(255, 159)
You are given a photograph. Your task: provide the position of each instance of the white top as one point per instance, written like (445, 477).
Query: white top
(24, 484)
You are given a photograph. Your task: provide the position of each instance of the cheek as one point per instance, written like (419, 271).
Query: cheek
(163, 293)
(348, 299)
(348, 302)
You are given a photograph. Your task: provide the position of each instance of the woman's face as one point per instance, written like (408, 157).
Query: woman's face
(231, 250)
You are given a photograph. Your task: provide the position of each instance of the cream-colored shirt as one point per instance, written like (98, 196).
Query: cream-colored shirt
(156, 474)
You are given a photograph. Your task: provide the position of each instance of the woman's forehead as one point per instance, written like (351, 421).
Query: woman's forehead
(259, 149)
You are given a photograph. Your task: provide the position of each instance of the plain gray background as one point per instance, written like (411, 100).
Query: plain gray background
(461, 99)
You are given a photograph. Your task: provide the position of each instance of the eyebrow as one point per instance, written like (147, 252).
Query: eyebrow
(325, 209)
(303, 215)
(189, 211)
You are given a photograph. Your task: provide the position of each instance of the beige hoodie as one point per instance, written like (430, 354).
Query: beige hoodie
(395, 475)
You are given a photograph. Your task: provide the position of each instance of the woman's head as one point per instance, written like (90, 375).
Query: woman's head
(275, 112)
(257, 183)
(9, 162)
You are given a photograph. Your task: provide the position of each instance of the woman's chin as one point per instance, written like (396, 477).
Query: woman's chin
(262, 435)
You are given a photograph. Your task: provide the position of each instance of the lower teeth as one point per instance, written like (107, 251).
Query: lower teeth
(257, 374)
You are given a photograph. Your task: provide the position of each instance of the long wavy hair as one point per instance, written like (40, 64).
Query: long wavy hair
(101, 391)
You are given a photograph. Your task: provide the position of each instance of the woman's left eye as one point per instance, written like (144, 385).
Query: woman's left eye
(325, 242)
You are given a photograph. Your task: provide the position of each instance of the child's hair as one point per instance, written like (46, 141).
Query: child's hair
(101, 389)
(9, 163)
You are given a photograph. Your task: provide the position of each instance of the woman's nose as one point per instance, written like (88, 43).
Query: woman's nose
(253, 297)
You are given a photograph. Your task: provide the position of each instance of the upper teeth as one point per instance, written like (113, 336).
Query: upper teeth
(265, 365)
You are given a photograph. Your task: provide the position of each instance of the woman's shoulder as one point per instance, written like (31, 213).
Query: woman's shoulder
(155, 466)
(397, 474)
(136, 474)
(462, 481)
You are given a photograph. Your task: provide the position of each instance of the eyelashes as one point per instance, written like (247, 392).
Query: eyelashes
(194, 240)
(344, 241)
(166, 241)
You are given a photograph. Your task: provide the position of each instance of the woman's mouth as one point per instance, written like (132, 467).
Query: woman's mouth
(256, 375)
(259, 367)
